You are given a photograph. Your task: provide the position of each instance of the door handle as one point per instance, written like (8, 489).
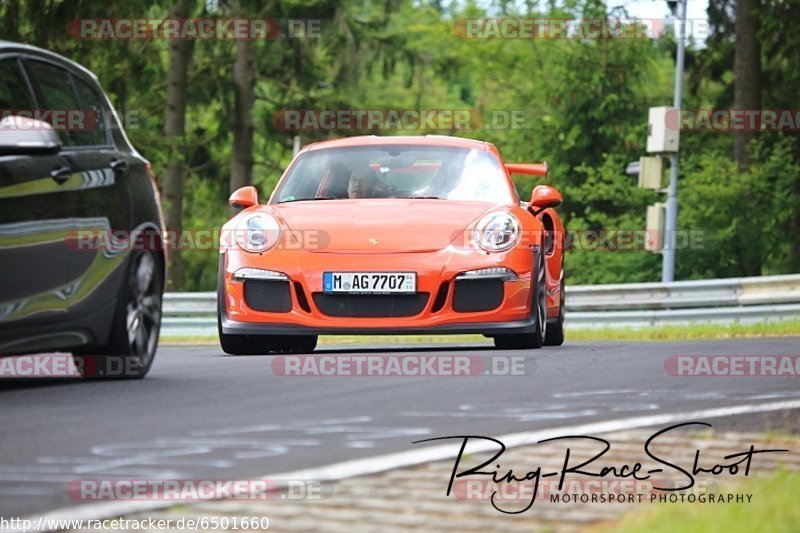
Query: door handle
(119, 165)
(61, 174)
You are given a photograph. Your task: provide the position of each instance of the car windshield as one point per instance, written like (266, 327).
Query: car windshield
(395, 171)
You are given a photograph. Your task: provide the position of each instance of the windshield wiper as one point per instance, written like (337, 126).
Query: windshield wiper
(308, 199)
(424, 198)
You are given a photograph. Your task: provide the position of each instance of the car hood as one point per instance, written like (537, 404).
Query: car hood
(379, 225)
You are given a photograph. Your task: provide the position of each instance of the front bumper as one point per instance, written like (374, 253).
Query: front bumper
(231, 327)
(436, 274)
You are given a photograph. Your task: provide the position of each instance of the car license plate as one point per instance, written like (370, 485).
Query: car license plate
(370, 282)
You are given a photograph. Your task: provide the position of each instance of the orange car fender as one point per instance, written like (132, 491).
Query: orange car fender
(554, 257)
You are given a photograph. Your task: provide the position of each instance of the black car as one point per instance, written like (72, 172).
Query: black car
(81, 266)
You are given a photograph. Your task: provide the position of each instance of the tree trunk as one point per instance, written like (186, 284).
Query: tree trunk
(180, 55)
(747, 96)
(10, 20)
(747, 71)
(794, 233)
(244, 98)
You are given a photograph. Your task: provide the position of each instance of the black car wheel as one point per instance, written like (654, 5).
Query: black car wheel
(136, 324)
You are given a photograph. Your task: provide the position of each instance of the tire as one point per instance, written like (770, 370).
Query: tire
(265, 344)
(136, 323)
(536, 338)
(300, 343)
(555, 326)
(240, 344)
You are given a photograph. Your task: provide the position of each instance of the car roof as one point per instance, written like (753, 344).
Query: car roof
(378, 140)
(12, 47)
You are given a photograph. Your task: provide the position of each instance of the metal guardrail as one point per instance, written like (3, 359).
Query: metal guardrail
(756, 299)
(728, 292)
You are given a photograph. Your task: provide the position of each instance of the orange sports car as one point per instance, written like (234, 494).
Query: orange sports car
(392, 235)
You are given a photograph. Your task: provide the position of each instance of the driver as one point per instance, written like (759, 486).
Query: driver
(363, 183)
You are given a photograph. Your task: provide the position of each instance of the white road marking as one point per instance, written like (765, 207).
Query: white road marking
(242, 443)
(374, 465)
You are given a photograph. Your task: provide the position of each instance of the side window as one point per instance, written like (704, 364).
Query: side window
(116, 131)
(14, 93)
(93, 115)
(56, 97)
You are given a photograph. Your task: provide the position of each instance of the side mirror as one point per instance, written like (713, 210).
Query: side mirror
(244, 197)
(544, 196)
(27, 136)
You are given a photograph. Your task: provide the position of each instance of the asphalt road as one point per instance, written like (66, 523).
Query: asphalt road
(203, 415)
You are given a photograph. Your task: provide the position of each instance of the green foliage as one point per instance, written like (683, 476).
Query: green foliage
(583, 105)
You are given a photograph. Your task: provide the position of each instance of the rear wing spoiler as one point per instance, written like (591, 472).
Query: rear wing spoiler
(533, 169)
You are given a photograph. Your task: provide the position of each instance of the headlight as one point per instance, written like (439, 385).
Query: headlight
(257, 233)
(497, 232)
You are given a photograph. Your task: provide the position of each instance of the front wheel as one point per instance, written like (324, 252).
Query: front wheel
(300, 344)
(536, 338)
(136, 324)
(240, 344)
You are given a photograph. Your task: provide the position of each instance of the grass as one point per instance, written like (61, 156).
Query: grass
(784, 328)
(773, 508)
